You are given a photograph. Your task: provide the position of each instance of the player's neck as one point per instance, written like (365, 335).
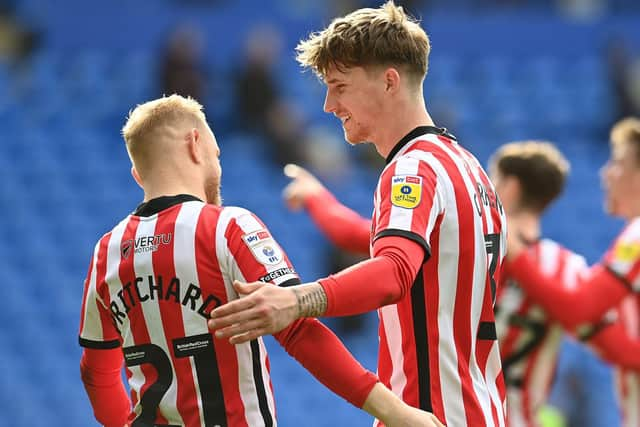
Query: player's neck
(402, 121)
(155, 190)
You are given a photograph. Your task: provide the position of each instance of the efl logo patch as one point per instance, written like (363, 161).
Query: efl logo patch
(627, 252)
(406, 190)
(263, 247)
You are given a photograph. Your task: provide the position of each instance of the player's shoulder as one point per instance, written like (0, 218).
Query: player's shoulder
(632, 230)
(551, 249)
(243, 218)
(626, 249)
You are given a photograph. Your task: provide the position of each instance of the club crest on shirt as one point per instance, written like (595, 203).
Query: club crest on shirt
(125, 248)
(406, 191)
(264, 249)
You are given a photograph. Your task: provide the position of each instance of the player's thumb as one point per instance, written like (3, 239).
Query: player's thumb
(246, 288)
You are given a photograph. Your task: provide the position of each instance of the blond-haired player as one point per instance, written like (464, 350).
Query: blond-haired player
(157, 274)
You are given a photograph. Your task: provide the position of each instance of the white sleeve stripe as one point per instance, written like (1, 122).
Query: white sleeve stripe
(92, 326)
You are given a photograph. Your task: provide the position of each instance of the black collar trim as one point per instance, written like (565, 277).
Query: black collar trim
(420, 130)
(158, 204)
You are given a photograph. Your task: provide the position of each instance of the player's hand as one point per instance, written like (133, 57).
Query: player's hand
(416, 418)
(265, 309)
(302, 186)
(393, 412)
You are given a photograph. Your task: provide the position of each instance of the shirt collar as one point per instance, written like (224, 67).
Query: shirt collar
(153, 206)
(420, 130)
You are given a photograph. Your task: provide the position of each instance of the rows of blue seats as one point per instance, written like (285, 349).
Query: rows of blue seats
(65, 179)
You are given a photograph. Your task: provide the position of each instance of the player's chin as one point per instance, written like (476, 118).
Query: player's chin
(353, 139)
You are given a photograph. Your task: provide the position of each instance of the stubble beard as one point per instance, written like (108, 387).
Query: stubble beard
(212, 191)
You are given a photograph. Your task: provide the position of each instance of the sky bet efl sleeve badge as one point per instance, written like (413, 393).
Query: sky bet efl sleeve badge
(406, 190)
(263, 247)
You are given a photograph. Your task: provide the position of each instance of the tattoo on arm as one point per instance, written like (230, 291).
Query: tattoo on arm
(312, 302)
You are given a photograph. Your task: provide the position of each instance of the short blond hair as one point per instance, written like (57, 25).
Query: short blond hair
(627, 131)
(539, 167)
(159, 118)
(368, 37)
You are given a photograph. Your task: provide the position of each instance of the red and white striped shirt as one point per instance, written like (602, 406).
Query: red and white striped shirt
(623, 258)
(529, 340)
(153, 281)
(627, 382)
(438, 348)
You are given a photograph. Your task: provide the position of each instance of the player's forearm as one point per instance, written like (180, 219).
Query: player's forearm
(343, 226)
(382, 403)
(311, 300)
(371, 284)
(100, 373)
(616, 346)
(325, 357)
(593, 294)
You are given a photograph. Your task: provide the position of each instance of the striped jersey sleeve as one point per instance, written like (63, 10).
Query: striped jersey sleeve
(623, 258)
(409, 201)
(253, 254)
(97, 329)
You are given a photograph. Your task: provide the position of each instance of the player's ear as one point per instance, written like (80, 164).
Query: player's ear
(136, 176)
(194, 145)
(391, 79)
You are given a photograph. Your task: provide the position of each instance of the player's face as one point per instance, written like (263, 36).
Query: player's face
(621, 181)
(356, 97)
(214, 171)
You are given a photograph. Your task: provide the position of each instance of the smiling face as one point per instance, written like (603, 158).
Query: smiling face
(356, 96)
(621, 181)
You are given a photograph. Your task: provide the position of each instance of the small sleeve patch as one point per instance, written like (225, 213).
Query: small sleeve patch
(627, 252)
(406, 191)
(265, 250)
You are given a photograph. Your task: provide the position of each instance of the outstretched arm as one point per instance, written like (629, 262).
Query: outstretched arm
(371, 284)
(593, 294)
(616, 346)
(344, 227)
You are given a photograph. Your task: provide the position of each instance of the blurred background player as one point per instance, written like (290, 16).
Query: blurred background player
(157, 274)
(606, 284)
(437, 236)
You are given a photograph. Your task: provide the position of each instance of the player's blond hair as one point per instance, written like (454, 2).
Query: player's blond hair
(158, 119)
(385, 36)
(540, 168)
(627, 131)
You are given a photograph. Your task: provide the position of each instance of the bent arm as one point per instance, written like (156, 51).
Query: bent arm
(321, 352)
(593, 294)
(344, 227)
(101, 374)
(371, 284)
